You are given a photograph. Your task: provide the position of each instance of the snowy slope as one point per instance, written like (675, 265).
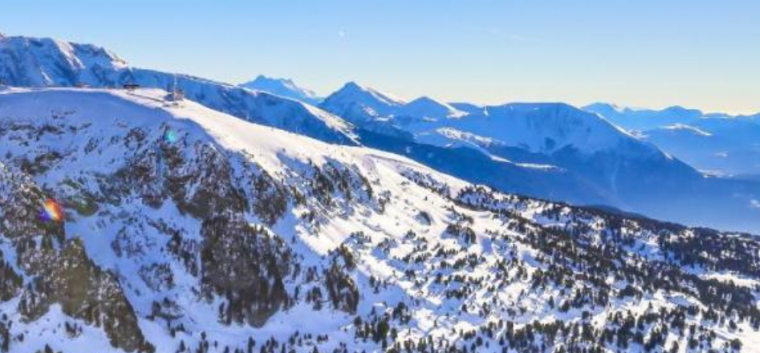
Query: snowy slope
(284, 88)
(190, 230)
(41, 62)
(50, 62)
(629, 172)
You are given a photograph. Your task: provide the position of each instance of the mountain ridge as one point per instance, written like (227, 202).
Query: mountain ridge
(727, 145)
(623, 172)
(633, 173)
(54, 63)
(210, 233)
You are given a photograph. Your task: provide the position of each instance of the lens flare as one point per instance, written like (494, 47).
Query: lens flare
(170, 136)
(51, 211)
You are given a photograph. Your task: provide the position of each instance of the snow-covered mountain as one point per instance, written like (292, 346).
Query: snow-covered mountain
(135, 223)
(361, 104)
(284, 88)
(41, 62)
(548, 150)
(297, 117)
(50, 62)
(633, 119)
(723, 146)
(540, 128)
(716, 143)
(610, 165)
(427, 108)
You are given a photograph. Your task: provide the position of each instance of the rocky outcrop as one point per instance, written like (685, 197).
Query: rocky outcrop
(86, 292)
(245, 265)
(60, 270)
(10, 281)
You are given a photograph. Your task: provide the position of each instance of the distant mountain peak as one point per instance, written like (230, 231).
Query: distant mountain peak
(532, 124)
(430, 108)
(673, 109)
(283, 87)
(353, 85)
(262, 79)
(353, 88)
(358, 103)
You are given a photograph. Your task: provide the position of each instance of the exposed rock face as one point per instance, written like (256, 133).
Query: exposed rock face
(246, 266)
(85, 291)
(10, 281)
(203, 186)
(270, 199)
(21, 202)
(59, 270)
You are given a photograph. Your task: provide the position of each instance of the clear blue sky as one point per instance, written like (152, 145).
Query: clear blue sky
(647, 53)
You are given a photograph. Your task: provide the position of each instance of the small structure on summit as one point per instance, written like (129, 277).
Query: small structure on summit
(175, 93)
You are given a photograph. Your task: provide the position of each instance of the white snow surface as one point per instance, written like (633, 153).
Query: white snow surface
(108, 114)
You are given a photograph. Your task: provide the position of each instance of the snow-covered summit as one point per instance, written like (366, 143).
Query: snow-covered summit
(32, 62)
(360, 104)
(541, 128)
(283, 87)
(26, 61)
(357, 91)
(429, 108)
(549, 127)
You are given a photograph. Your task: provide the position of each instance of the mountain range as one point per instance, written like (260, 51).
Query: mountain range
(140, 224)
(604, 163)
(716, 143)
(133, 219)
(547, 150)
